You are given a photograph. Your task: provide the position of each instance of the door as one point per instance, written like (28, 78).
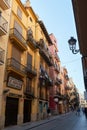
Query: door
(27, 110)
(29, 61)
(11, 111)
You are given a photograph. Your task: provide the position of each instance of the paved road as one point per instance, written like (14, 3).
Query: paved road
(69, 121)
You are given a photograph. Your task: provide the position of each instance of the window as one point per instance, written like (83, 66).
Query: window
(18, 27)
(16, 53)
(28, 84)
(29, 61)
(19, 13)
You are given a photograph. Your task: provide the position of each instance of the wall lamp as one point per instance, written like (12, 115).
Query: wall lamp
(72, 45)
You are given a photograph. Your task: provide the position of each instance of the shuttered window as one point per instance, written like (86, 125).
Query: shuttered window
(16, 53)
(18, 27)
(29, 61)
(28, 84)
(19, 13)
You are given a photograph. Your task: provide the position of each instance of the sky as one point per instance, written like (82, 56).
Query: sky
(58, 18)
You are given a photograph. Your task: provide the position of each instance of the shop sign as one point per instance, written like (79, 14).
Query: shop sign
(14, 83)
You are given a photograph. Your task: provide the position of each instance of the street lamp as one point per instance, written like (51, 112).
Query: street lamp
(56, 100)
(72, 45)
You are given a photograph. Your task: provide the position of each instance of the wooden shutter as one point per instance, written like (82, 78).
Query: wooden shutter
(29, 60)
(16, 53)
(18, 27)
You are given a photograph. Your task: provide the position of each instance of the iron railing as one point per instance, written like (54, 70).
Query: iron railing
(30, 69)
(7, 2)
(30, 38)
(2, 53)
(57, 67)
(3, 23)
(11, 62)
(18, 35)
(58, 81)
(57, 57)
(45, 52)
(29, 91)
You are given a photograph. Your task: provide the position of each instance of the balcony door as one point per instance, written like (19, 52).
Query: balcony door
(28, 84)
(29, 61)
(16, 55)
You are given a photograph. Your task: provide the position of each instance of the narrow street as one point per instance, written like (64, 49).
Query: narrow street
(69, 121)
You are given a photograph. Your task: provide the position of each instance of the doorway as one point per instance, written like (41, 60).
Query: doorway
(11, 111)
(27, 111)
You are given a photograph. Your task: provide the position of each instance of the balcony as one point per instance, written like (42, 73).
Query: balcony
(45, 52)
(30, 40)
(57, 57)
(58, 81)
(58, 95)
(44, 78)
(3, 26)
(16, 67)
(66, 77)
(2, 53)
(18, 39)
(57, 68)
(31, 71)
(5, 4)
(48, 80)
(68, 88)
(29, 92)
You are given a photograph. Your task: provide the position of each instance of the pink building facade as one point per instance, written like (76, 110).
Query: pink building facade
(53, 72)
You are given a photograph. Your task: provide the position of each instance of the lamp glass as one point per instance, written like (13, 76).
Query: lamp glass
(56, 100)
(72, 43)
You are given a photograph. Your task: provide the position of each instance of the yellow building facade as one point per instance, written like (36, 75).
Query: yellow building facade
(5, 11)
(26, 73)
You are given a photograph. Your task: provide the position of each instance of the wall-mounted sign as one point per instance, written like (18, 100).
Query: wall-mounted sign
(15, 83)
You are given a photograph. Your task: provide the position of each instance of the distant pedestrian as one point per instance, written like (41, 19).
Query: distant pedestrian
(48, 112)
(78, 111)
(83, 110)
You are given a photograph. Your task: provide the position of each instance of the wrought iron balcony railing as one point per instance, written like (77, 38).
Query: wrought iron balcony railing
(58, 81)
(17, 37)
(57, 68)
(68, 87)
(2, 53)
(31, 70)
(29, 91)
(66, 77)
(5, 4)
(57, 57)
(15, 65)
(45, 52)
(45, 79)
(30, 39)
(3, 26)
(58, 95)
